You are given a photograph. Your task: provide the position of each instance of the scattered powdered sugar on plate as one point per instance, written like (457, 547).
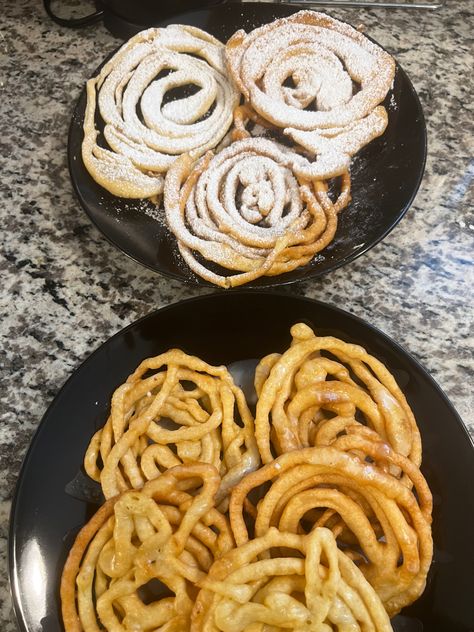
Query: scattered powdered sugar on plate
(392, 104)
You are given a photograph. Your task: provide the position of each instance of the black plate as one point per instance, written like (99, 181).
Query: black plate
(48, 511)
(386, 175)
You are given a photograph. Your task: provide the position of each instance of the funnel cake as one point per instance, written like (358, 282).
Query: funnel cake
(308, 585)
(246, 210)
(143, 144)
(135, 564)
(319, 80)
(174, 409)
(377, 520)
(319, 387)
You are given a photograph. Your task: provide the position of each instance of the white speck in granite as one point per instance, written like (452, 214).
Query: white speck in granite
(6, 611)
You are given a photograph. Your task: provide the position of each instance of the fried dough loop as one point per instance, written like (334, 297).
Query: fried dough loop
(375, 518)
(138, 77)
(311, 586)
(321, 385)
(319, 80)
(246, 211)
(174, 409)
(157, 541)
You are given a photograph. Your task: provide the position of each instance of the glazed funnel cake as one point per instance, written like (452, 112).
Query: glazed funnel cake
(322, 387)
(247, 211)
(142, 146)
(319, 80)
(376, 520)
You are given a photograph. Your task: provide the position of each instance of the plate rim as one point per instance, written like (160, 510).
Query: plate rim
(266, 282)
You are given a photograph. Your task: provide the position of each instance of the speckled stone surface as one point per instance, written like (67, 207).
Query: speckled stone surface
(65, 290)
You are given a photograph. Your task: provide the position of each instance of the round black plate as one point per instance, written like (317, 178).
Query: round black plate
(49, 505)
(385, 175)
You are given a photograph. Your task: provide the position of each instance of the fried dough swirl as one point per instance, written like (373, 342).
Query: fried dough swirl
(245, 210)
(174, 409)
(308, 585)
(146, 132)
(159, 534)
(319, 80)
(375, 518)
(319, 386)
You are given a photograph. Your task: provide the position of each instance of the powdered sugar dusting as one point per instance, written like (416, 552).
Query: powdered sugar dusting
(145, 134)
(323, 58)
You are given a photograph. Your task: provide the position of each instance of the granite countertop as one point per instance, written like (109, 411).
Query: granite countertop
(65, 289)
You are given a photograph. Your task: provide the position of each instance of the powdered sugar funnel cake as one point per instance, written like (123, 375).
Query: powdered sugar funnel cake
(245, 210)
(144, 132)
(319, 80)
(385, 174)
